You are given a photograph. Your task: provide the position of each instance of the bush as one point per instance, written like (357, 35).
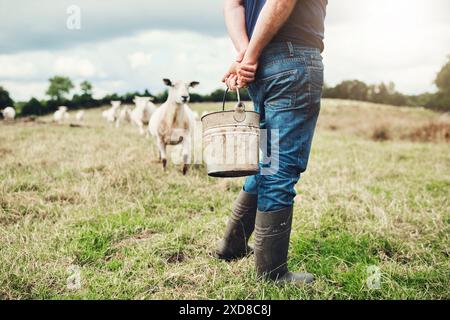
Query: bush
(32, 107)
(381, 133)
(439, 101)
(437, 131)
(5, 99)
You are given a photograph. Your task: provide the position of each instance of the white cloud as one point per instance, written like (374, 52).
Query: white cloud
(103, 88)
(132, 63)
(14, 67)
(74, 67)
(139, 59)
(22, 91)
(405, 41)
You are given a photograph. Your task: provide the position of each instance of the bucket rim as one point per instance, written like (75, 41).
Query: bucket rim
(232, 174)
(227, 111)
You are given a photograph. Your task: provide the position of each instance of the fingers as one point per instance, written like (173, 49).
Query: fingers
(232, 82)
(240, 74)
(246, 76)
(248, 67)
(225, 77)
(242, 84)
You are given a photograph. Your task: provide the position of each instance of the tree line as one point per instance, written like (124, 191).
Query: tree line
(387, 94)
(60, 87)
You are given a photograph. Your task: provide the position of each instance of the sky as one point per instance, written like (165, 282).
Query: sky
(126, 46)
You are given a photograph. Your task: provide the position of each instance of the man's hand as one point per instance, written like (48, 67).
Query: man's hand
(246, 72)
(241, 72)
(234, 66)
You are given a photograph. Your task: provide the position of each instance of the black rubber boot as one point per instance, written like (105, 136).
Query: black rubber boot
(273, 230)
(240, 226)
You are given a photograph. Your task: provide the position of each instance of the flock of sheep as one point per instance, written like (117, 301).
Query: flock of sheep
(173, 123)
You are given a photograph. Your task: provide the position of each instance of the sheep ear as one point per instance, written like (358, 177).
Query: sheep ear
(167, 82)
(193, 84)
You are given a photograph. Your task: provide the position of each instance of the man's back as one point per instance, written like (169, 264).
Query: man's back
(305, 26)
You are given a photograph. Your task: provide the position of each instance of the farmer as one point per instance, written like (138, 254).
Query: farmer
(279, 44)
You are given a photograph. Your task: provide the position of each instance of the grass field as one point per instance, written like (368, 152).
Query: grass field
(93, 200)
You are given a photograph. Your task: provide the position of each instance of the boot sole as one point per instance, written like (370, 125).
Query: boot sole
(226, 258)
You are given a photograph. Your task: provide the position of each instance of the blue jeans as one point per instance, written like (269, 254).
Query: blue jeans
(286, 92)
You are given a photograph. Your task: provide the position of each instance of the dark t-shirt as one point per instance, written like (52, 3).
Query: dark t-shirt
(305, 26)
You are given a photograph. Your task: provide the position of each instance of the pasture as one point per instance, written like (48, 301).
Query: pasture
(373, 203)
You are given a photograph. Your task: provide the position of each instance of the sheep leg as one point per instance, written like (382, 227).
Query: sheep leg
(141, 128)
(162, 152)
(186, 150)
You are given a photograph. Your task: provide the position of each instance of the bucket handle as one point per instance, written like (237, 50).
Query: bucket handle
(239, 109)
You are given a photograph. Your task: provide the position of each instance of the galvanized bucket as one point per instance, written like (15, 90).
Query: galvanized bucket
(231, 141)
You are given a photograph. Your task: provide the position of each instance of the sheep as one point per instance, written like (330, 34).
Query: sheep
(111, 114)
(174, 121)
(141, 115)
(9, 114)
(196, 115)
(80, 116)
(124, 115)
(61, 114)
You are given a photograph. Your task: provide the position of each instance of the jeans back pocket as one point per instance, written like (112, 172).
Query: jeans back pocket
(287, 90)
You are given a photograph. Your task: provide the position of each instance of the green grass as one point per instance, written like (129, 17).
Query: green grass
(94, 197)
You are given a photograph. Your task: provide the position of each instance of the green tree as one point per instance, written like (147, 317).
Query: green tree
(32, 107)
(350, 89)
(5, 99)
(86, 88)
(443, 78)
(441, 99)
(59, 87)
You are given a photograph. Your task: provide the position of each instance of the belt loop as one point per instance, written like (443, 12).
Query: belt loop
(291, 49)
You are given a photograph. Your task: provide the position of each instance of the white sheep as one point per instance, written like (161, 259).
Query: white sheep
(61, 114)
(174, 122)
(80, 116)
(112, 113)
(124, 115)
(142, 113)
(9, 114)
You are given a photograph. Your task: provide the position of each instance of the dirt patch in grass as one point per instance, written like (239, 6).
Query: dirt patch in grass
(63, 197)
(176, 257)
(381, 133)
(5, 151)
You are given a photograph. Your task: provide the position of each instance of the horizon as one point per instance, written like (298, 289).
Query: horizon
(405, 42)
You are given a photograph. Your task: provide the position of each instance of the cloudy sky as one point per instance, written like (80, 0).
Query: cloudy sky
(131, 45)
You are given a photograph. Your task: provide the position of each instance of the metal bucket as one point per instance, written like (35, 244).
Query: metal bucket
(231, 141)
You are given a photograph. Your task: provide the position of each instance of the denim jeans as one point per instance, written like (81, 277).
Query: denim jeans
(287, 93)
